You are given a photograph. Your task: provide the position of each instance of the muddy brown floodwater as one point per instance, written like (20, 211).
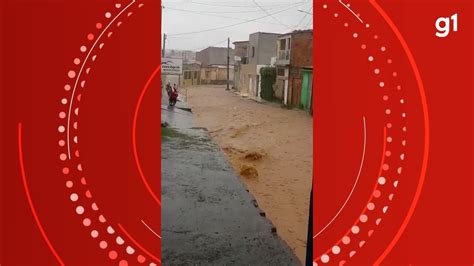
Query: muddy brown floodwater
(270, 147)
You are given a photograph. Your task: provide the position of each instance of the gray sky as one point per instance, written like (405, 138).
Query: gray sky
(182, 17)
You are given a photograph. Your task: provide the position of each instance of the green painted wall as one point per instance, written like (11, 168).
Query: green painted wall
(304, 90)
(307, 90)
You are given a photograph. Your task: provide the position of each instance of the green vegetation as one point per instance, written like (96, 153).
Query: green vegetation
(268, 75)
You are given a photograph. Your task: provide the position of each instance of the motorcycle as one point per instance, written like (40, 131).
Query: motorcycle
(173, 97)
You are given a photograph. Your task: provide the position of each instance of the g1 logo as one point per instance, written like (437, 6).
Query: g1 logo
(443, 25)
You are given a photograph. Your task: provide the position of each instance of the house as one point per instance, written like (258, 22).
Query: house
(214, 65)
(240, 58)
(295, 69)
(191, 73)
(215, 56)
(216, 74)
(261, 49)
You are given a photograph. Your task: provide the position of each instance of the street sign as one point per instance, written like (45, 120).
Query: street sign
(171, 66)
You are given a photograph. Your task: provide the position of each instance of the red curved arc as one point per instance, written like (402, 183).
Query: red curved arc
(134, 136)
(138, 245)
(28, 196)
(356, 222)
(424, 104)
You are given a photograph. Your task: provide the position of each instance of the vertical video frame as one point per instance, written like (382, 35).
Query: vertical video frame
(236, 132)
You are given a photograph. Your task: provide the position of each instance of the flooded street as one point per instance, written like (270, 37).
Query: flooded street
(270, 147)
(208, 216)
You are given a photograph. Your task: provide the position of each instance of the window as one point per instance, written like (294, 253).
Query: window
(187, 75)
(283, 44)
(253, 51)
(195, 74)
(281, 72)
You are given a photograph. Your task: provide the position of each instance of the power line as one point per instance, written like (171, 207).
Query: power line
(306, 12)
(274, 18)
(296, 26)
(305, 15)
(309, 22)
(231, 25)
(233, 12)
(253, 10)
(212, 45)
(204, 47)
(218, 16)
(234, 6)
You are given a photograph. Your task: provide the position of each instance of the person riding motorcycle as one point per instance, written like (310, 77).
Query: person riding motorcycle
(173, 95)
(168, 89)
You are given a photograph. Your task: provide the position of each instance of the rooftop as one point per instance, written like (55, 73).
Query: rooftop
(213, 47)
(271, 33)
(191, 62)
(240, 42)
(296, 32)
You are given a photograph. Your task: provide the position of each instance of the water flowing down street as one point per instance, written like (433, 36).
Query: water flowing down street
(271, 148)
(208, 216)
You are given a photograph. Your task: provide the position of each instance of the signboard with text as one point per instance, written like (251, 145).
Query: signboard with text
(171, 66)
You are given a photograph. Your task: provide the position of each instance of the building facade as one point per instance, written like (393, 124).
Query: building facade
(295, 69)
(260, 50)
(214, 65)
(216, 74)
(240, 58)
(215, 56)
(191, 74)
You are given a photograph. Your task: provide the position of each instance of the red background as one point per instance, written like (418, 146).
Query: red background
(39, 40)
(441, 231)
(441, 228)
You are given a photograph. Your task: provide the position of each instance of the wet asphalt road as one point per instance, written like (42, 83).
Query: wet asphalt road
(208, 216)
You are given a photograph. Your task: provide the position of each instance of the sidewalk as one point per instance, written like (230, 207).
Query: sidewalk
(208, 216)
(256, 99)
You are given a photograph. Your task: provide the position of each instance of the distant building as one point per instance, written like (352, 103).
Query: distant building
(260, 50)
(182, 54)
(214, 56)
(294, 64)
(216, 74)
(214, 65)
(188, 57)
(191, 73)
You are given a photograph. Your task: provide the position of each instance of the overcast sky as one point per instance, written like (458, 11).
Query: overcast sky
(183, 18)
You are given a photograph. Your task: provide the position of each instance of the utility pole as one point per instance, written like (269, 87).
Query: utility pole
(163, 77)
(164, 45)
(228, 61)
(179, 76)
